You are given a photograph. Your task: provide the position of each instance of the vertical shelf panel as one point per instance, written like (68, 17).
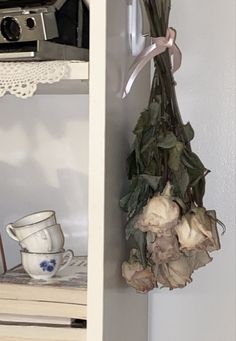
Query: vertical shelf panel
(97, 108)
(115, 312)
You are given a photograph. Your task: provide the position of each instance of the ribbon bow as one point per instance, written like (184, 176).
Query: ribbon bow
(159, 45)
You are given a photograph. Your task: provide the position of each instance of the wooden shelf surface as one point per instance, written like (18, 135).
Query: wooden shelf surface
(37, 333)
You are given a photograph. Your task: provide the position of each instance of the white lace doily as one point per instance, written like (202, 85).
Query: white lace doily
(21, 78)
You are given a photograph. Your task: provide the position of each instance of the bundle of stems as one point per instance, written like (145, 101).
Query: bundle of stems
(158, 12)
(172, 230)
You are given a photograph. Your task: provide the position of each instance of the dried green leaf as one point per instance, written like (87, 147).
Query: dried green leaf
(139, 161)
(175, 156)
(131, 167)
(155, 111)
(148, 144)
(142, 121)
(167, 141)
(195, 167)
(124, 202)
(195, 175)
(148, 135)
(152, 166)
(140, 238)
(145, 194)
(181, 182)
(199, 191)
(152, 181)
(180, 203)
(188, 131)
(191, 160)
(130, 201)
(129, 229)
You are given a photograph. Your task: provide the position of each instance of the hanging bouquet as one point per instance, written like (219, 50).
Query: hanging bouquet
(172, 230)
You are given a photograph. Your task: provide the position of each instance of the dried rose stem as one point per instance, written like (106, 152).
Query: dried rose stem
(158, 20)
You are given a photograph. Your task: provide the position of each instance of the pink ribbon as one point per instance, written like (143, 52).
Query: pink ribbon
(160, 44)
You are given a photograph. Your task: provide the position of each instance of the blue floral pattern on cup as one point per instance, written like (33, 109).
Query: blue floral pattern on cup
(48, 265)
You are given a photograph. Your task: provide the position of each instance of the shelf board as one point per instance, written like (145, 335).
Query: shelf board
(75, 82)
(78, 70)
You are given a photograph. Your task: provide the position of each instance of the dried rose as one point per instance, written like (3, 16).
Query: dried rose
(189, 236)
(197, 231)
(175, 274)
(164, 248)
(199, 259)
(215, 236)
(160, 213)
(140, 278)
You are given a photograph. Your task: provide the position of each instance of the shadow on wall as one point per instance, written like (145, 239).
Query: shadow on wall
(53, 112)
(43, 165)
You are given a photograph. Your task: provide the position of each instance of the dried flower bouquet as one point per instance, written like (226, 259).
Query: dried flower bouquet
(172, 230)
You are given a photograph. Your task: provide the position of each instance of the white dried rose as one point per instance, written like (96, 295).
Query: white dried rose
(189, 236)
(197, 231)
(160, 213)
(175, 274)
(140, 278)
(163, 248)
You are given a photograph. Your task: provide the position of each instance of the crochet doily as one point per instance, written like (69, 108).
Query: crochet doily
(21, 78)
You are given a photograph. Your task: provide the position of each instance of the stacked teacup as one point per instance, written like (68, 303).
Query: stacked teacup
(42, 242)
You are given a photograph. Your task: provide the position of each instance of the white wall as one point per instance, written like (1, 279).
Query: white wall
(44, 164)
(205, 310)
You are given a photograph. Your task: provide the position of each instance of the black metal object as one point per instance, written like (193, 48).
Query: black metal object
(71, 17)
(26, 3)
(73, 24)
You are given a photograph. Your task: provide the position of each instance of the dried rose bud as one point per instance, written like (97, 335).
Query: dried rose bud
(163, 248)
(175, 274)
(197, 231)
(140, 278)
(160, 213)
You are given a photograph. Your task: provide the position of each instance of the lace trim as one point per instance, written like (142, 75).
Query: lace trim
(22, 78)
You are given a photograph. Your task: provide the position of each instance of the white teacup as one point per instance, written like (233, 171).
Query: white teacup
(24, 227)
(45, 265)
(49, 239)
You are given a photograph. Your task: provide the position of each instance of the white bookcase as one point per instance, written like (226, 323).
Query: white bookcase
(115, 312)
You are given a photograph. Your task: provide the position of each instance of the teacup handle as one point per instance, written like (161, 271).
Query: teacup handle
(10, 232)
(70, 255)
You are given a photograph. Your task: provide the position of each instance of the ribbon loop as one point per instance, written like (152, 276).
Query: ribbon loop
(158, 46)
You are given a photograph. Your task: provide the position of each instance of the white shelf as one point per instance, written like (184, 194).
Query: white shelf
(78, 70)
(75, 82)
